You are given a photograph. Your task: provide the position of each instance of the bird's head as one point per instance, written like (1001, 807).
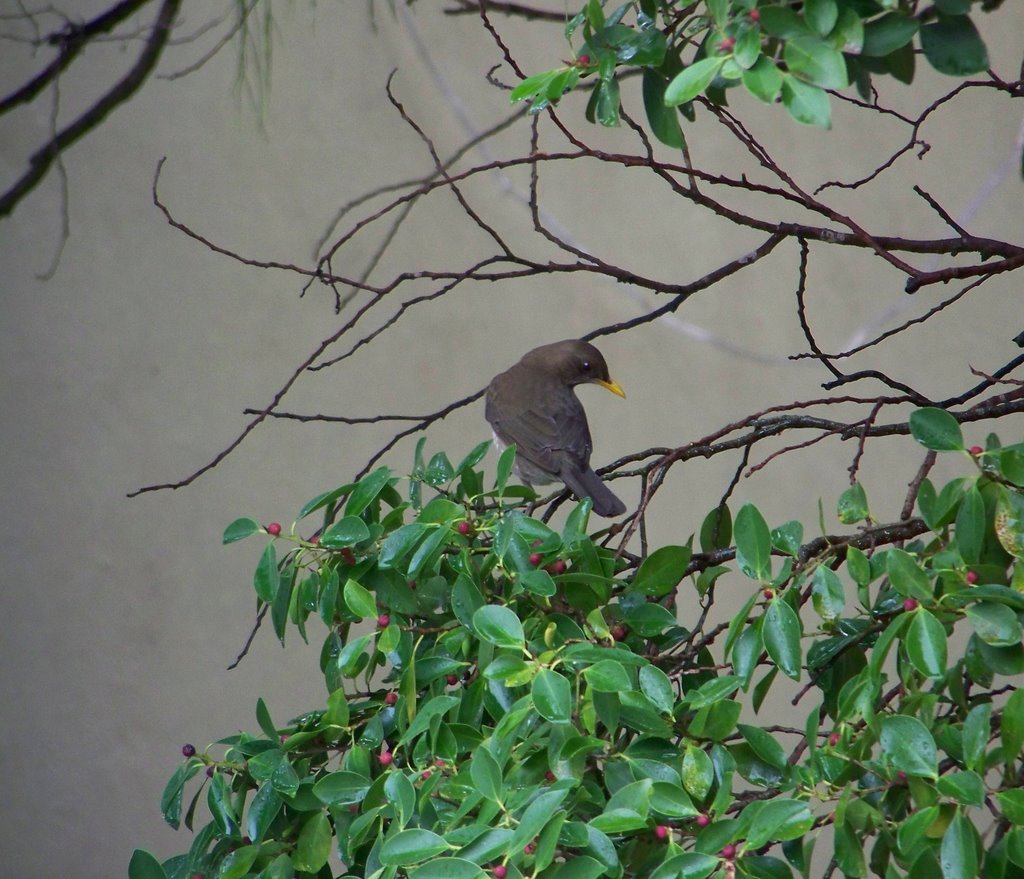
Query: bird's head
(575, 362)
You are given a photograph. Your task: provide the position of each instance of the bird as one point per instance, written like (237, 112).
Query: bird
(533, 406)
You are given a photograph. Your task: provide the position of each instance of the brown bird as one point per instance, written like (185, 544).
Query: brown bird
(533, 405)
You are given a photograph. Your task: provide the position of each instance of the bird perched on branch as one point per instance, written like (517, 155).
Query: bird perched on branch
(533, 406)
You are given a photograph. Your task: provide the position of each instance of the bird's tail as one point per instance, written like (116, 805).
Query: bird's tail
(586, 483)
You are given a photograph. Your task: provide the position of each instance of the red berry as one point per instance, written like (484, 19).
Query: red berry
(583, 59)
(703, 820)
(768, 593)
(354, 807)
(383, 621)
(549, 776)
(558, 566)
(439, 763)
(619, 633)
(391, 698)
(347, 556)
(729, 852)
(976, 450)
(529, 848)
(274, 528)
(452, 680)
(755, 15)
(910, 604)
(536, 558)
(901, 775)
(426, 774)
(188, 750)
(661, 831)
(727, 44)
(971, 577)
(315, 540)
(209, 772)
(833, 739)
(464, 527)
(536, 543)
(412, 585)
(500, 872)
(386, 758)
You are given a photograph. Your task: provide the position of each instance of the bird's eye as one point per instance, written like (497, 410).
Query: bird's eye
(586, 365)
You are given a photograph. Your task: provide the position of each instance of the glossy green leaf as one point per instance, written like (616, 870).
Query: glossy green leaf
(672, 801)
(936, 429)
(314, 843)
(1012, 727)
(346, 532)
(499, 626)
(486, 774)
(716, 529)
(237, 530)
(447, 868)
(367, 490)
(953, 46)
(779, 820)
(713, 691)
(144, 866)
(399, 543)
(359, 600)
(906, 575)
(970, 526)
(908, 746)
(692, 81)
(925, 641)
(958, 854)
(236, 863)
(781, 633)
(966, 788)
(266, 579)
(995, 624)
(536, 815)
(657, 687)
(1011, 804)
(816, 61)
(664, 121)
(788, 537)
(552, 696)
(975, 735)
(607, 676)
(341, 788)
(806, 103)
(1009, 521)
(827, 593)
(698, 772)
(764, 745)
(884, 35)
(821, 15)
(753, 543)
(853, 505)
(412, 846)
(662, 570)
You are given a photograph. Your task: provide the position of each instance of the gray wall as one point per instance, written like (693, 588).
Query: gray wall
(133, 363)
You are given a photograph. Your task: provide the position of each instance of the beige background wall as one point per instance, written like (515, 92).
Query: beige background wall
(133, 363)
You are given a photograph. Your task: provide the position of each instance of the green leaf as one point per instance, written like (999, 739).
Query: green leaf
(953, 46)
(885, 35)
(412, 846)
(1011, 804)
(827, 593)
(1012, 728)
(506, 460)
(765, 746)
(806, 103)
(237, 863)
(936, 429)
(486, 774)
(976, 731)
(906, 576)
(359, 600)
(262, 811)
(341, 788)
(143, 865)
(716, 529)
(536, 816)
(925, 641)
(995, 624)
(1009, 521)
(753, 543)
(664, 121)
(958, 854)
(322, 500)
(366, 491)
(672, 801)
(778, 821)
(552, 696)
(712, 691)
(314, 843)
(398, 544)
(853, 505)
(533, 85)
(264, 720)
(657, 687)
(607, 676)
(435, 707)
(858, 565)
(816, 61)
(781, 635)
(266, 579)
(447, 868)
(966, 788)
(499, 626)
(821, 15)
(345, 532)
(908, 746)
(698, 772)
(662, 571)
(237, 530)
(970, 526)
(788, 537)
(688, 865)
(692, 80)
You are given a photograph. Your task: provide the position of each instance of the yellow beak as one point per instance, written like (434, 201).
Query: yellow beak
(612, 386)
